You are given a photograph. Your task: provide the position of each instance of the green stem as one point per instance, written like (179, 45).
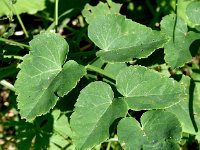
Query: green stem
(14, 42)
(56, 14)
(20, 21)
(53, 23)
(100, 71)
(13, 56)
(113, 140)
(7, 85)
(108, 146)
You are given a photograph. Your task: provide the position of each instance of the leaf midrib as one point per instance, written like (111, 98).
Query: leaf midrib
(100, 118)
(38, 99)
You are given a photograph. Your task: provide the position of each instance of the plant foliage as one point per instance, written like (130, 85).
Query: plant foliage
(103, 80)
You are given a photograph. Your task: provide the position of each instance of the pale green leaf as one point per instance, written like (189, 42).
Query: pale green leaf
(62, 131)
(61, 124)
(143, 88)
(193, 12)
(95, 111)
(44, 75)
(177, 50)
(21, 6)
(57, 142)
(134, 136)
(121, 39)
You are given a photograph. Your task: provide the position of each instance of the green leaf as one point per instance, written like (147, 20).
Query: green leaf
(168, 134)
(180, 40)
(95, 111)
(121, 39)
(61, 132)
(114, 68)
(130, 133)
(193, 11)
(61, 124)
(91, 12)
(147, 89)
(44, 77)
(22, 6)
(188, 110)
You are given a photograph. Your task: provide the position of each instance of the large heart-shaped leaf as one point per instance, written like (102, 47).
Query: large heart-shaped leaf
(44, 75)
(95, 111)
(22, 6)
(134, 136)
(147, 89)
(121, 39)
(180, 40)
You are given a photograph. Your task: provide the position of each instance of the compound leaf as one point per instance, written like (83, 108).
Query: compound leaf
(44, 77)
(121, 39)
(147, 89)
(180, 40)
(21, 6)
(95, 111)
(132, 135)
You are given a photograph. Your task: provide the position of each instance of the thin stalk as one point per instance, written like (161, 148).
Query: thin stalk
(13, 56)
(56, 14)
(53, 23)
(100, 71)
(108, 146)
(20, 21)
(14, 42)
(7, 85)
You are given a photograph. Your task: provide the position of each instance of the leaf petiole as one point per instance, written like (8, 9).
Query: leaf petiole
(7, 85)
(100, 71)
(20, 21)
(14, 42)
